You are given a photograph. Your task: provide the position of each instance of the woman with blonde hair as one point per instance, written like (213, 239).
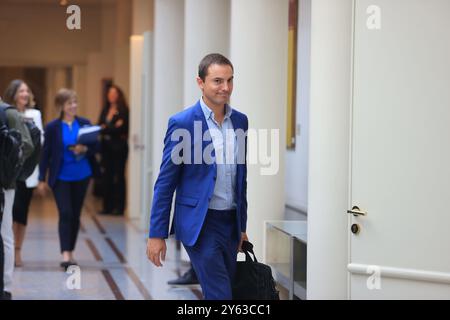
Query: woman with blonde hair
(19, 95)
(70, 166)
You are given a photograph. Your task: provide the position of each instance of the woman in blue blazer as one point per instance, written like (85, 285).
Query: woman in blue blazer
(70, 167)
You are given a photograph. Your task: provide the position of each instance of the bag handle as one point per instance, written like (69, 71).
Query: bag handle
(247, 248)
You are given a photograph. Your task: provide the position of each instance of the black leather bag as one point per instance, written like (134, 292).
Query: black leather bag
(253, 280)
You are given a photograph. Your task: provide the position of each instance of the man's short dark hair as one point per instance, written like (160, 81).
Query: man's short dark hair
(212, 58)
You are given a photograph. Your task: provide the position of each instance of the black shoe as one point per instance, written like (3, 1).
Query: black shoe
(6, 296)
(187, 279)
(66, 264)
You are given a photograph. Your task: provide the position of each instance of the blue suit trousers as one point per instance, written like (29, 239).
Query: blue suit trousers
(214, 254)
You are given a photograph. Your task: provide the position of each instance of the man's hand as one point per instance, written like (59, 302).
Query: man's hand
(243, 238)
(156, 251)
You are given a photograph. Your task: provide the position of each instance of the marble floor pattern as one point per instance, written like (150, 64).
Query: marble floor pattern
(110, 252)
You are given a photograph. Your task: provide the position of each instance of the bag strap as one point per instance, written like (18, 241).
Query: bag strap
(3, 107)
(247, 248)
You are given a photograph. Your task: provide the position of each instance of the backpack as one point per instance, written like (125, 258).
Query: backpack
(253, 280)
(10, 151)
(32, 161)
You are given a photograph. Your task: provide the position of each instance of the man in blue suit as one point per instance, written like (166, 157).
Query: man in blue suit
(204, 161)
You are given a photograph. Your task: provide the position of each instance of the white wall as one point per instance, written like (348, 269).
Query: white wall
(142, 16)
(297, 160)
(99, 65)
(79, 85)
(95, 69)
(36, 34)
(123, 30)
(108, 22)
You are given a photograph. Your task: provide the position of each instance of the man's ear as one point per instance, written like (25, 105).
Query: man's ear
(200, 83)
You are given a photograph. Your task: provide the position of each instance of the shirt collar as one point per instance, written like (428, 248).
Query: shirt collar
(209, 113)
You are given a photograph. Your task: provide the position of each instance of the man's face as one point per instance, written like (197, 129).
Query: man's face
(218, 85)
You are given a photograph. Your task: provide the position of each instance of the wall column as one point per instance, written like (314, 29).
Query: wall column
(259, 51)
(167, 73)
(206, 30)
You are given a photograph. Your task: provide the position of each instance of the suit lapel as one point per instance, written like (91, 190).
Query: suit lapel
(59, 135)
(235, 121)
(237, 124)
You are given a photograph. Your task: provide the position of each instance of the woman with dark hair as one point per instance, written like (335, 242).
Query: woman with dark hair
(114, 150)
(19, 95)
(70, 167)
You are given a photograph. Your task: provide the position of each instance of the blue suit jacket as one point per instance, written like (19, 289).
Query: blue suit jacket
(53, 151)
(194, 183)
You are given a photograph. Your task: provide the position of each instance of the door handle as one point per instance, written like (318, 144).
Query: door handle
(357, 212)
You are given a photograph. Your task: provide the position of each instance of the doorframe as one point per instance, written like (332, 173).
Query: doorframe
(329, 155)
(350, 149)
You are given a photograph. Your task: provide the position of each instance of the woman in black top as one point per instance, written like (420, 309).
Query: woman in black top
(114, 150)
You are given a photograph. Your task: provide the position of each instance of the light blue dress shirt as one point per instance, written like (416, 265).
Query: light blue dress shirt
(224, 141)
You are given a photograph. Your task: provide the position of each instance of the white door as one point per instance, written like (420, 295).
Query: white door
(140, 186)
(136, 137)
(401, 151)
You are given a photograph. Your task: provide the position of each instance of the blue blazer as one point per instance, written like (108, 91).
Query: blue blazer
(193, 183)
(53, 151)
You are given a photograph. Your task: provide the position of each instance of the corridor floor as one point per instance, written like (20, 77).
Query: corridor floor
(110, 252)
